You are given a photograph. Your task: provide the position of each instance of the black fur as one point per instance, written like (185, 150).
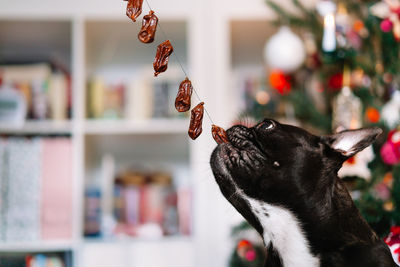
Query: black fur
(287, 166)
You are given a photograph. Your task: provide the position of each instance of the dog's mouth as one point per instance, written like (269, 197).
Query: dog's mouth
(235, 166)
(235, 162)
(242, 151)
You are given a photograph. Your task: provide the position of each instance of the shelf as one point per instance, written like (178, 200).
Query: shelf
(38, 127)
(138, 240)
(154, 126)
(174, 252)
(40, 246)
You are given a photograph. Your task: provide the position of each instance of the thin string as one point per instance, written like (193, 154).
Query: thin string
(180, 64)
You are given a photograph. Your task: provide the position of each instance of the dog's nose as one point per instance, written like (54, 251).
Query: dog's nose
(239, 134)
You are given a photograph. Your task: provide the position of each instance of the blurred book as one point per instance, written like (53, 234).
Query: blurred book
(59, 259)
(56, 192)
(22, 217)
(36, 189)
(47, 93)
(139, 99)
(146, 205)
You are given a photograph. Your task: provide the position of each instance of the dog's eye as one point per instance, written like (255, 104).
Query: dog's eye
(268, 125)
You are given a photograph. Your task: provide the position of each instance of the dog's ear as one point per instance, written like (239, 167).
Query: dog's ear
(350, 142)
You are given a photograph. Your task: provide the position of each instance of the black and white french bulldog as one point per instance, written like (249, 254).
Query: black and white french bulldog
(284, 181)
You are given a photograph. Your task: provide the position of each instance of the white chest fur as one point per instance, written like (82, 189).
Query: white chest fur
(282, 228)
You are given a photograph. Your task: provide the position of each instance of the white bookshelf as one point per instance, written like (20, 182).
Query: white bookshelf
(202, 30)
(40, 246)
(39, 127)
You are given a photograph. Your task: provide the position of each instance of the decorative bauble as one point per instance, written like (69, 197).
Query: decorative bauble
(284, 51)
(358, 25)
(388, 180)
(358, 165)
(389, 12)
(372, 114)
(390, 151)
(279, 81)
(245, 250)
(393, 241)
(386, 25)
(335, 82)
(391, 111)
(388, 206)
(382, 191)
(347, 110)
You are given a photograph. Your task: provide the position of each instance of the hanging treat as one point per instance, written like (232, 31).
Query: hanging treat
(160, 63)
(182, 101)
(149, 25)
(196, 120)
(219, 134)
(134, 9)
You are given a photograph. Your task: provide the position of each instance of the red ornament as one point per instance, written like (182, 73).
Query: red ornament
(390, 151)
(279, 82)
(245, 250)
(372, 114)
(393, 241)
(335, 82)
(358, 25)
(386, 25)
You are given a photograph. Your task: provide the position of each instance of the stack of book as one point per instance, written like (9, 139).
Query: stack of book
(140, 99)
(47, 93)
(35, 189)
(62, 259)
(144, 205)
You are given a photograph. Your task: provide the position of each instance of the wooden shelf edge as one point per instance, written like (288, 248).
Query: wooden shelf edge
(153, 126)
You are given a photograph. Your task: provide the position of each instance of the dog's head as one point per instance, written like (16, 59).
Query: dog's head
(282, 165)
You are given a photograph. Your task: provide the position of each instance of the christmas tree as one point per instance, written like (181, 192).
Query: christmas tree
(347, 77)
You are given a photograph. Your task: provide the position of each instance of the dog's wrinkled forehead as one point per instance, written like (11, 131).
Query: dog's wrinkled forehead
(273, 135)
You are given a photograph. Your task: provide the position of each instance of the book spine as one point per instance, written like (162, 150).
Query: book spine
(23, 222)
(58, 96)
(56, 191)
(96, 98)
(132, 197)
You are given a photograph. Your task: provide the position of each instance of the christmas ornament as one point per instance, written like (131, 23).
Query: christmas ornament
(388, 11)
(262, 97)
(327, 9)
(245, 250)
(386, 25)
(279, 82)
(358, 25)
(347, 107)
(388, 180)
(372, 114)
(284, 51)
(391, 110)
(393, 241)
(335, 82)
(390, 151)
(388, 206)
(358, 165)
(382, 191)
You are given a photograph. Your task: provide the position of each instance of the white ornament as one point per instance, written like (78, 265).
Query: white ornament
(358, 165)
(326, 7)
(391, 111)
(395, 255)
(284, 51)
